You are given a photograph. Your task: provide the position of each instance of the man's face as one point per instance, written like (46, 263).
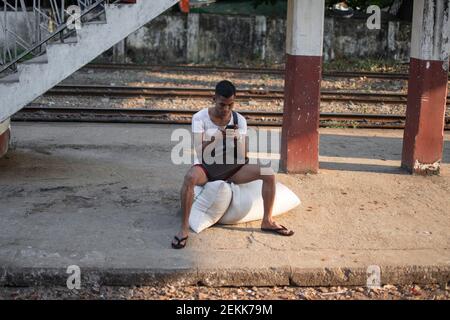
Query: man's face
(224, 105)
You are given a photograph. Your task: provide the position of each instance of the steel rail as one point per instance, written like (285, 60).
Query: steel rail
(173, 116)
(273, 71)
(202, 93)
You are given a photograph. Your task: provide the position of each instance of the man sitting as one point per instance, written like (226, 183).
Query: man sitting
(212, 128)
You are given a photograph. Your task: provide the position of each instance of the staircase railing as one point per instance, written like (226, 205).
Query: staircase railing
(45, 21)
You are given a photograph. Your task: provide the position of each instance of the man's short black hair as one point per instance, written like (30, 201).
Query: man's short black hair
(225, 89)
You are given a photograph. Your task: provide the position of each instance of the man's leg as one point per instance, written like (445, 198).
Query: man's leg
(251, 172)
(194, 177)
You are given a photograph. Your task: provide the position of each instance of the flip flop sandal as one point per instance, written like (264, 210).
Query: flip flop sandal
(178, 245)
(280, 231)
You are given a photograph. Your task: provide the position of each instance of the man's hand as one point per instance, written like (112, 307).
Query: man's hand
(231, 133)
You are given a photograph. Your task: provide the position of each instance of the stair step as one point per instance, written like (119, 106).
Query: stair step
(34, 78)
(72, 39)
(14, 77)
(94, 22)
(39, 59)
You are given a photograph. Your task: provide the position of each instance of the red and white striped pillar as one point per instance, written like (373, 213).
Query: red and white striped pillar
(423, 138)
(300, 132)
(4, 137)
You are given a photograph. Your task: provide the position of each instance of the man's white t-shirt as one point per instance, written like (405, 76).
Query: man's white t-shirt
(201, 123)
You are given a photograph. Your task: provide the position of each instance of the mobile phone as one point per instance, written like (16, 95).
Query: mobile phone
(229, 129)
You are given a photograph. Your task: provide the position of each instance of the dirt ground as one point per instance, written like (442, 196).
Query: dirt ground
(387, 292)
(201, 80)
(105, 197)
(242, 81)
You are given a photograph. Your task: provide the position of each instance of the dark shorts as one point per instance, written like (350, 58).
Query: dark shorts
(220, 171)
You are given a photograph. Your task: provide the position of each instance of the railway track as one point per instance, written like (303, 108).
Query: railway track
(259, 118)
(268, 71)
(205, 93)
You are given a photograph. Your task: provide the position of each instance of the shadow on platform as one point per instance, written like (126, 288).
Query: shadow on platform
(365, 153)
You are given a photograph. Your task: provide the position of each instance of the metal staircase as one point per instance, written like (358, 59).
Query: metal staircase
(27, 70)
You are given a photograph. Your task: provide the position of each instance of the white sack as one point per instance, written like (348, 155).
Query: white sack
(247, 202)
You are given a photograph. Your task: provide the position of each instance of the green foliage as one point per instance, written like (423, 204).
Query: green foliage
(257, 3)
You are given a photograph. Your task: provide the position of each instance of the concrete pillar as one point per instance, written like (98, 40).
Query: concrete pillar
(193, 33)
(5, 134)
(423, 138)
(259, 49)
(119, 52)
(300, 132)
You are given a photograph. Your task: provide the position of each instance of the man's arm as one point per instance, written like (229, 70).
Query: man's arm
(198, 131)
(242, 148)
(200, 143)
(243, 141)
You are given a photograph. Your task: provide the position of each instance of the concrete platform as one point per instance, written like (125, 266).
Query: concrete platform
(105, 197)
